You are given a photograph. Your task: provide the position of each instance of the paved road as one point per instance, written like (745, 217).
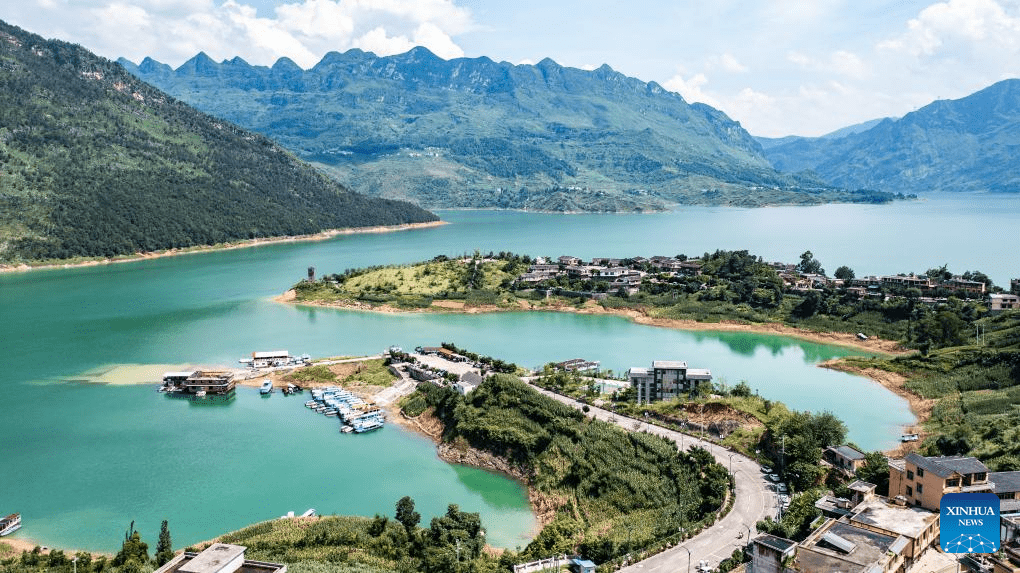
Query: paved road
(754, 501)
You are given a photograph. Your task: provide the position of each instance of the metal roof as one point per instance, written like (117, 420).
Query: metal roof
(849, 452)
(838, 542)
(1005, 482)
(699, 374)
(772, 542)
(271, 354)
(638, 370)
(669, 364)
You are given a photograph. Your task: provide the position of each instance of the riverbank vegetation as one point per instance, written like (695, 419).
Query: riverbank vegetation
(975, 387)
(611, 492)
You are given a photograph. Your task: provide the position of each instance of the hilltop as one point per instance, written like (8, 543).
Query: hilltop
(964, 145)
(479, 133)
(97, 163)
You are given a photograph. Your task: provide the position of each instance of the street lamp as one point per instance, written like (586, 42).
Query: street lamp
(731, 462)
(688, 558)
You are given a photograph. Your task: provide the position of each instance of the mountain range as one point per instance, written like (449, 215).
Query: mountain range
(479, 133)
(967, 145)
(97, 163)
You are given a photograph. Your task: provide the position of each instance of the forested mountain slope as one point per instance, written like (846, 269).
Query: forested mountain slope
(967, 145)
(95, 162)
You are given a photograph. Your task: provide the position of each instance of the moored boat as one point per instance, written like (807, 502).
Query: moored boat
(267, 386)
(10, 524)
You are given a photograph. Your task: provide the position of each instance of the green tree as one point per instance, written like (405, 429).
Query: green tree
(406, 514)
(164, 547)
(845, 273)
(875, 470)
(133, 549)
(809, 264)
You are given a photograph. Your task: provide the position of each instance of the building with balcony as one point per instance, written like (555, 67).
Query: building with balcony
(665, 380)
(922, 481)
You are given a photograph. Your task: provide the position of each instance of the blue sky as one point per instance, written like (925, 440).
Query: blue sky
(780, 67)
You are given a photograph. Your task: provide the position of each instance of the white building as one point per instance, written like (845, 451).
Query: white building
(665, 380)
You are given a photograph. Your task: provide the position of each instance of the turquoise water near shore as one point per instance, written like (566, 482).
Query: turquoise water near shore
(90, 458)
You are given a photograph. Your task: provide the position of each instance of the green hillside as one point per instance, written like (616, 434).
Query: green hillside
(96, 163)
(478, 133)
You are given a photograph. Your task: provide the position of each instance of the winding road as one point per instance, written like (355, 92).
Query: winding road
(754, 500)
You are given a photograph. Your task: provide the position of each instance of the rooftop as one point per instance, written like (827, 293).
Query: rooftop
(669, 364)
(944, 466)
(906, 521)
(844, 548)
(1005, 481)
(699, 374)
(862, 486)
(849, 452)
(638, 370)
(772, 542)
(213, 559)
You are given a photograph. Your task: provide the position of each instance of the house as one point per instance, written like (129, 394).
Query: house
(960, 283)
(219, 558)
(666, 379)
(844, 457)
(1003, 302)
(1006, 485)
(922, 481)
(568, 260)
(834, 507)
(838, 546)
(271, 358)
(909, 281)
(768, 553)
(918, 526)
(468, 382)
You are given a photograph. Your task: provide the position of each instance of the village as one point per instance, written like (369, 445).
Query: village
(615, 276)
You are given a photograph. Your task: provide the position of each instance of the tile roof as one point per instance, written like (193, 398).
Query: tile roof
(1005, 482)
(944, 466)
(849, 452)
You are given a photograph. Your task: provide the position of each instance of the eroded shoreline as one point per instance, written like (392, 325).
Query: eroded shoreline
(320, 236)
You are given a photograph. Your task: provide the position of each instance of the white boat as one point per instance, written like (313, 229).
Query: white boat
(10, 524)
(267, 386)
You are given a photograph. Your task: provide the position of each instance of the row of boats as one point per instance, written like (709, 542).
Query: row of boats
(355, 414)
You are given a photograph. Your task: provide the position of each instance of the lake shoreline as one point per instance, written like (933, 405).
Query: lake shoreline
(843, 339)
(249, 243)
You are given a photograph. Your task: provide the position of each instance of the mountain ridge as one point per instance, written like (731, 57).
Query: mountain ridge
(961, 145)
(472, 132)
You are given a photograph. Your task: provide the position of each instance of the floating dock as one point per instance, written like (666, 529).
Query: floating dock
(355, 414)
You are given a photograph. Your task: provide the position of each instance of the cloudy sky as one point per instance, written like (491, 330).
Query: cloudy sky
(780, 67)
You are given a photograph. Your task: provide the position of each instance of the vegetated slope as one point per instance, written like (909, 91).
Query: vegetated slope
(477, 133)
(969, 144)
(975, 388)
(97, 163)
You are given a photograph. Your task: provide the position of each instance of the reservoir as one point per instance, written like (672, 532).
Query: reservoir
(91, 458)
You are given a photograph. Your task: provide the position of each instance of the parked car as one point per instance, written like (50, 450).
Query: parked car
(766, 470)
(781, 488)
(773, 477)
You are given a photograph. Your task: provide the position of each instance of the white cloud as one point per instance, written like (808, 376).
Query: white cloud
(175, 30)
(730, 63)
(947, 27)
(691, 89)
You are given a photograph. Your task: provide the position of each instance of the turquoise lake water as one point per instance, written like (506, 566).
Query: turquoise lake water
(85, 459)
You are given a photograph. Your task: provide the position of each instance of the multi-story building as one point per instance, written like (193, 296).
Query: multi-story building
(665, 380)
(922, 481)
(844, 457)
(1003, 302)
